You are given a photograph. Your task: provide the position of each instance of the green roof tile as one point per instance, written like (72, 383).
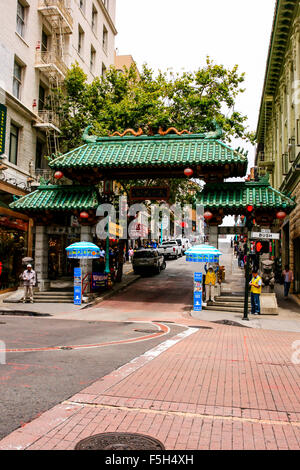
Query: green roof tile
(233, 195)
(145, 151)
(58, 198)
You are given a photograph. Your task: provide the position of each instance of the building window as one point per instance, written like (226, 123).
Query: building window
(80, 40)
(106, 4)
(105, 39)
(39, 154)
(13, 143)
(44, 44)
(17, 80)
(20, 19)
(93, 58)
(103, 70)
(82, 5)
(94, 19)
(42, 97)
(285, 163)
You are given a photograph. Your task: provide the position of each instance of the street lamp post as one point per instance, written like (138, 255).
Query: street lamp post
(249, 224)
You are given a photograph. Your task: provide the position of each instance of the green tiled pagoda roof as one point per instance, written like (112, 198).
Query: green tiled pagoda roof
(144, 152)
(58, 198)
(233, 195)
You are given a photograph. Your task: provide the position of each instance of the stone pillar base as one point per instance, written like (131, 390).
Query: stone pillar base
(43, 285)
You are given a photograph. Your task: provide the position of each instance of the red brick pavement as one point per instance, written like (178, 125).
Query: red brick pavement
(219, 389)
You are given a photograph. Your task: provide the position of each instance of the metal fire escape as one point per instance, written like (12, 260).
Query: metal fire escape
(51, 62)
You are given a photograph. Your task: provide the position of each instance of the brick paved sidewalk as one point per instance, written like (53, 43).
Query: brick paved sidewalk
(220, 388)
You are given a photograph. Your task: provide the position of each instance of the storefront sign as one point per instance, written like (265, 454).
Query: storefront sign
(77, 286)
(154, 193)
(17, 224)
(3, 116)
(265, 235)
(99, 280)
(197, 292)
(115, 230)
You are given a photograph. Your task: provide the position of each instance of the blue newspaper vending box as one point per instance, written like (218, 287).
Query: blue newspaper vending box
(77, 286)
(198, 292)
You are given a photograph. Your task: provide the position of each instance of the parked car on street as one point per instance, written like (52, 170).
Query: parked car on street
(148, 259)
(170, 249)
(184, 244)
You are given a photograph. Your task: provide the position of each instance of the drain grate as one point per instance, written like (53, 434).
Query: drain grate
(147, 331)
(230, 323)
(119, 441)
(201, 327)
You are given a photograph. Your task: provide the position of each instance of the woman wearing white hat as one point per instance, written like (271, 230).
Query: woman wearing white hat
(29, 280)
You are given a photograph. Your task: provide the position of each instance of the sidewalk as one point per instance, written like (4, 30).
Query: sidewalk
(288, 318)
(64, 310)
(220, 388)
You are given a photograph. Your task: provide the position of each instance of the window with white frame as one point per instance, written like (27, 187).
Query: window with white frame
(13, 143)
(80, 40)
(105, 39)
(93, 58)
(17, 80)
(82, 5)
(106, 4)
(94, 18)
(20, 26)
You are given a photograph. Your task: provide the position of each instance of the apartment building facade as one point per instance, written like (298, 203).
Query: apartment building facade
(278, 131)
(39, 41)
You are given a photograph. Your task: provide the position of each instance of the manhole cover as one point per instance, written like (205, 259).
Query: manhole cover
(119, 441)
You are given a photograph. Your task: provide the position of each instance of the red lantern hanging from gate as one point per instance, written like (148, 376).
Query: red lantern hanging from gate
(188, 172)
(84, 215)
(58, 175)
(207, 216)
(280, 215)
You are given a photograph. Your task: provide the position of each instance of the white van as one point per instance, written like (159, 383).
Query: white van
(184, 244)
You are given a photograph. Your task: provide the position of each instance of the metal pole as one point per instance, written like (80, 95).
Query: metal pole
(247, 280)
(107, 271)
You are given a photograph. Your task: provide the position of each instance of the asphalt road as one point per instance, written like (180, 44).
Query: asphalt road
(34, 381)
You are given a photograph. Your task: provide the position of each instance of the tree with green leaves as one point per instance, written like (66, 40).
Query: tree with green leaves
(118, 101)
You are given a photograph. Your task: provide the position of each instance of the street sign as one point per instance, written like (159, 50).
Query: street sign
(266, 236)
(197, 292)
(149, 193)
(3, 116)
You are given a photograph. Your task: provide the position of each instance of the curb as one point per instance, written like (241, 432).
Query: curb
(114, 290)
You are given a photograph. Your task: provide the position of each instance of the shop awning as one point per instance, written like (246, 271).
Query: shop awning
(58, 198)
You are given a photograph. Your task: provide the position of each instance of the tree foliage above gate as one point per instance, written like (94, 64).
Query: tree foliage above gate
(118, 101)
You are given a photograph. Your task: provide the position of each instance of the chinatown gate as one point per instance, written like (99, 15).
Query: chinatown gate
(135, 156)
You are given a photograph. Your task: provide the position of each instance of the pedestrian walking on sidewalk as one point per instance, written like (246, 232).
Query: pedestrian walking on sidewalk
(29, 280)
(256, 287)
(130, 254)
(288, 277)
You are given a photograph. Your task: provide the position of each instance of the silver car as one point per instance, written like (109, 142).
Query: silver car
(148, 259)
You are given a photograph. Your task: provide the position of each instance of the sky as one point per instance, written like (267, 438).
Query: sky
(179, 34)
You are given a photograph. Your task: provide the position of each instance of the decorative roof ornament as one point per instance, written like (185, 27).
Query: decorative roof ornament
(128, 131)
(216, 134)
(89, 139)
(161, 132)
